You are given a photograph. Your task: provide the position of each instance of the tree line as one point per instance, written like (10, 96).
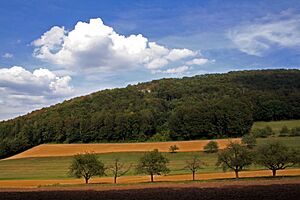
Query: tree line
(203, 106)
(273, 155)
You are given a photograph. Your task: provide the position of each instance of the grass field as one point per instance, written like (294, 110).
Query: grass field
(277, 125)
(57, 167)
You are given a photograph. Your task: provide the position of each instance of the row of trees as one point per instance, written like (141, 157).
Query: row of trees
(236, 157)
(206, 106)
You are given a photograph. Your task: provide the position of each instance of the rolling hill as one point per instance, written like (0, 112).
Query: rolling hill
(203, 106)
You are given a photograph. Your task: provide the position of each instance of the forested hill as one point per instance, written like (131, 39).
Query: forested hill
(204, 106)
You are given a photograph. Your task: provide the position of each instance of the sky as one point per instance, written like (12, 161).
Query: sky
(52, 51)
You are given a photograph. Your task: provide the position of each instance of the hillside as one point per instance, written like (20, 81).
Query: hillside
(204, 106)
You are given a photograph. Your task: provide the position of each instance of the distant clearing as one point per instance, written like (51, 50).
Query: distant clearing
(277, 125)
(55, 150)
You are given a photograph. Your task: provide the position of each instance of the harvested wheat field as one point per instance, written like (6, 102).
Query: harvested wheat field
(143, 179)
(50, 150)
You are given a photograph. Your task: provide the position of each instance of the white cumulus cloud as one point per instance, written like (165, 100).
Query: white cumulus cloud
(22, 90)
(39, 81)
(94, 45)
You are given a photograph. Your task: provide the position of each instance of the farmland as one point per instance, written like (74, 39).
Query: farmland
(38, 168)
(48, 163)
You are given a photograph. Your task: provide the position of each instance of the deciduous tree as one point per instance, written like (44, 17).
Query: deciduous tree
(276, 156)
(235, 157)
(86, 165)
(118, 169)
(194, 164)
(153, 163)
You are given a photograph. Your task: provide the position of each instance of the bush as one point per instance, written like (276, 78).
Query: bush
(295, 131)
(173, 148)
(284, 132)
(211, 147)
(160, 137)
(263, 133)
(249, 140)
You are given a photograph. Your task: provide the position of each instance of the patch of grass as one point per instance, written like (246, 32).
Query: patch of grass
(293, 142)
(277, 125)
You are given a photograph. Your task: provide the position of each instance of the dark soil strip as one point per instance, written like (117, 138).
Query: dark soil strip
(267, 192)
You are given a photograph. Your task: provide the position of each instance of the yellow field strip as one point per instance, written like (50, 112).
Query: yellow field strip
(52, 150)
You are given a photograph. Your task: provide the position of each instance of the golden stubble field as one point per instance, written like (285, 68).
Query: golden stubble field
(54, 150)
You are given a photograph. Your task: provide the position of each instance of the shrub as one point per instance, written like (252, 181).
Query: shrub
(249, 140)
(295, 131)
(211, 147)
(173, 148)
(284, 132)
(160, 137)
(263, 133)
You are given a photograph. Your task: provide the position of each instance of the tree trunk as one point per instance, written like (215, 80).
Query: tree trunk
(236, 174)
(151, 177)
(193, 176)
(274, 172)
(86, 180)
(115, 179)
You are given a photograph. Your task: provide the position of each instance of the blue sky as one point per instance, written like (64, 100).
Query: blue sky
(55, 50)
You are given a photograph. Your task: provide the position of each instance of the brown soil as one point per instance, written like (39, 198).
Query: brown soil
(142, 179)
(277, 189)
(47, 150)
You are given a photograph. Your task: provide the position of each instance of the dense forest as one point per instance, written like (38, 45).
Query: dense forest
(203, 106)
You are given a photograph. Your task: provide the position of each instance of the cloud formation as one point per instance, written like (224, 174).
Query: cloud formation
(94, 45)
(7, 55)
(22, 90)
(257, 38)
(177, 70)
(197, 61)
(40, 80)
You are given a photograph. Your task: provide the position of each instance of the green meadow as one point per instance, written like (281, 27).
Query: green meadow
(277, 125)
